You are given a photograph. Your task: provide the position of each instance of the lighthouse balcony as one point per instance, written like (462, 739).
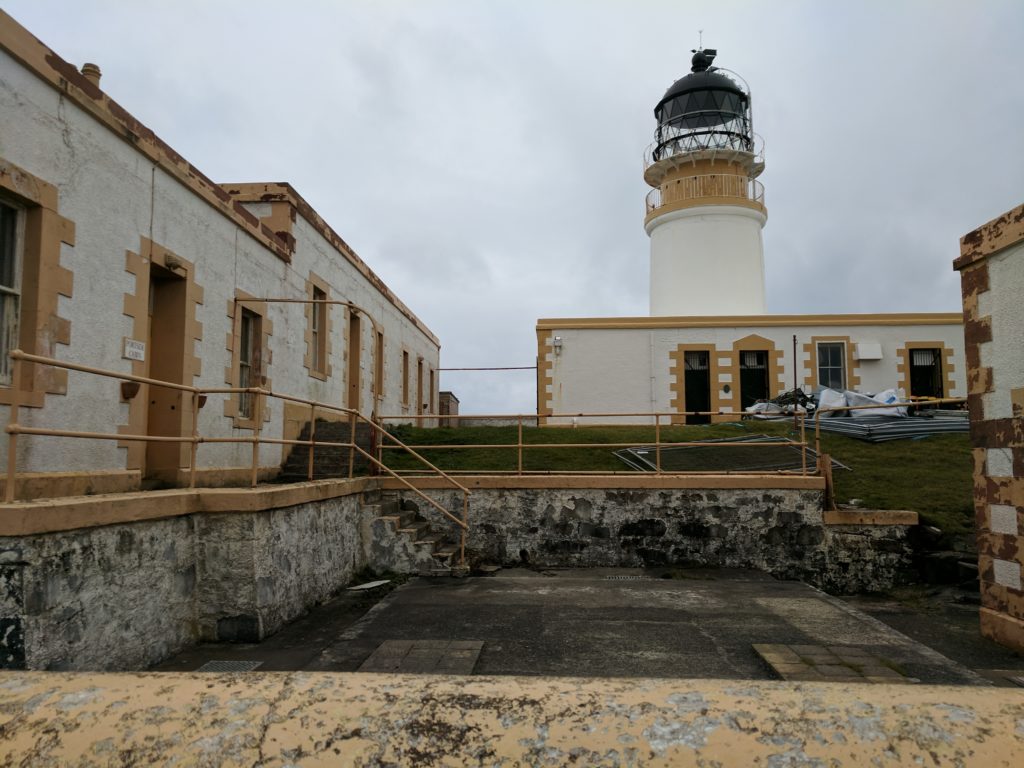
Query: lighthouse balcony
(708, 189)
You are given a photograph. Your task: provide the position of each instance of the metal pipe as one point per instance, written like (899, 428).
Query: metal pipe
(352, 440)
(312, 440)
(12, 423)
(257, 429)
(19, 355)
(657, 444)
(416, 490)
(194, 449)
(520, 446)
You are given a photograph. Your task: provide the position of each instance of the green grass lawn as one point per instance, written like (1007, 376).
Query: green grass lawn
(931, 476)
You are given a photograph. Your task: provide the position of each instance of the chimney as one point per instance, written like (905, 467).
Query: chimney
(92, 73)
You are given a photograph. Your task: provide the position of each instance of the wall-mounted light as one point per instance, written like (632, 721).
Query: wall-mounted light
(173, 263)
(557, 344)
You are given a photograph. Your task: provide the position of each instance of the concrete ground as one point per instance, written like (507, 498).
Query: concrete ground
(593, 623)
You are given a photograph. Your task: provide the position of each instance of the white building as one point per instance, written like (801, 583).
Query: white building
(117, 253)
(708, 344)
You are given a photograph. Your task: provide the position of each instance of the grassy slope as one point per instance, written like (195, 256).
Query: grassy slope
(930, 476)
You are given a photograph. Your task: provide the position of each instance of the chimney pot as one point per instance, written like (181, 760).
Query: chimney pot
(92, 73)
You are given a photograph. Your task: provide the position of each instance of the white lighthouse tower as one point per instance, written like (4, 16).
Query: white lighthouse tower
(706, 211)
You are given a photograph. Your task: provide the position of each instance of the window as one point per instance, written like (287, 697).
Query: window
(832, 365)
(419, 387)
(431, 394)
(248, 361)
(318, 330)
(11, 225)
(405, 378)
(378, 367)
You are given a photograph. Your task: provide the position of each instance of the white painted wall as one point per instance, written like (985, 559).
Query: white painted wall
(1005, 353)
(707, 260)
(629, 370)
(115, 196)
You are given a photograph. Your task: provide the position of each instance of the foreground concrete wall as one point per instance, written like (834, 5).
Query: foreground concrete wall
(274, 719)
(781, 531)
(126, 596)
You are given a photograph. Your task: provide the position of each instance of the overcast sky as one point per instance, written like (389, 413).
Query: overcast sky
(485, 157)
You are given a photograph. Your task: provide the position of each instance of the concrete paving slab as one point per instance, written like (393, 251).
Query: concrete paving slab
(580, 623)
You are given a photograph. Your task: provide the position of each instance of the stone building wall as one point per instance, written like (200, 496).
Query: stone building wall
(991, 266)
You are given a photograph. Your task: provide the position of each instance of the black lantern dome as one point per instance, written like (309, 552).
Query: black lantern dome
(706, 109)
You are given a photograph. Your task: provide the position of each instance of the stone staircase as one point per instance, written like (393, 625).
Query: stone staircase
(329, 461)
(402, 540)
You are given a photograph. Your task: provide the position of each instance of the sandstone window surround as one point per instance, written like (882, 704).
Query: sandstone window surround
(317, 360)
(378, 367)
(832, 364)
(33, 282)
(405, 379)
(249, 345)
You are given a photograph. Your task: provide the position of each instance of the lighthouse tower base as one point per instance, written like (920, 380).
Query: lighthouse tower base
(707, 260)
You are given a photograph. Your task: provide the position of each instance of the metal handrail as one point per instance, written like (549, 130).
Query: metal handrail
(706, 185)
(658, 444)
(14, 429)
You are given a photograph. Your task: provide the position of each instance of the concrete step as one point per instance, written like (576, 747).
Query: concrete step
(416, 531)
(431, 540)
(393, 520)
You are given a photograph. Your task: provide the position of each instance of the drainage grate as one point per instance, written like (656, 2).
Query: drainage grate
(627, 578)
(229, 666)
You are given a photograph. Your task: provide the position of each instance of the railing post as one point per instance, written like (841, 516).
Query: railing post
(12, 437)
(465, 527)
(256, 429)
(195, 440)
(352, 443)
(657, 443)
(312, 438)
(519, 449)
(803, 441)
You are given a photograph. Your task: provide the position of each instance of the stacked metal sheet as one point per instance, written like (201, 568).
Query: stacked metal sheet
(878, 429)
(713, 457)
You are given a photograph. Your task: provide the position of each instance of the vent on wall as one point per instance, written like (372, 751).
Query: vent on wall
(867, 351)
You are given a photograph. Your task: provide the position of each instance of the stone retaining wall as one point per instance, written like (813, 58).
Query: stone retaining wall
(125, 596)
(778, 530)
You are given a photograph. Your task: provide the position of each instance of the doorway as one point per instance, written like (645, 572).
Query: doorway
(697, 385)
(753, 378)
(165, 351)
(355, 345)
(926, 373)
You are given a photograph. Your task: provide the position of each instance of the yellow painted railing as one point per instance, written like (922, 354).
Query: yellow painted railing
(658, 445)
(198, 397)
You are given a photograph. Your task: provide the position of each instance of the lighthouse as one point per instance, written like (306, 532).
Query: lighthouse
(706, 209)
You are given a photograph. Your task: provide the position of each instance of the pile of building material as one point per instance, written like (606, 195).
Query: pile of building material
(713, 456)
(877, 429)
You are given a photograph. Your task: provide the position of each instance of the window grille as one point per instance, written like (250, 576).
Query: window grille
(924, 357)
(695, 361)
(753, 360)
